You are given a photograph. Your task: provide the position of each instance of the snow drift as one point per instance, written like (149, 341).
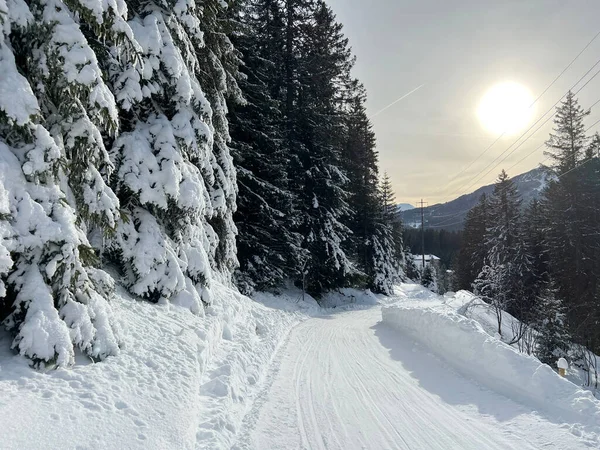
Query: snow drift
(464, 344)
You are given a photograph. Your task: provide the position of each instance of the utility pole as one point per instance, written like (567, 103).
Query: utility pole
(422, 203)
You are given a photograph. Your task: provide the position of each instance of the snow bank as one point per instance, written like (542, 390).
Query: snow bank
(466, 346)
(469, 305)
(181, 381)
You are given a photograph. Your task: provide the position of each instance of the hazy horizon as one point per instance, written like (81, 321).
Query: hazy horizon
(458, 51)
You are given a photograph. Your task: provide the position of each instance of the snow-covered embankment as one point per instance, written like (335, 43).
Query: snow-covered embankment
(463, 344)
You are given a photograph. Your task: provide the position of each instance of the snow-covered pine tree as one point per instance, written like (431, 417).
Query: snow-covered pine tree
(320, 66)
(428, 278)
(174, 175)
(219, 62)
(472, 254)
(412, 271)
(505, 277)
(372, 218)
(55, 298)
(553, 339)
(359, 161)
(384, 261)
(268, 250)
(593, 149)
(391, 217)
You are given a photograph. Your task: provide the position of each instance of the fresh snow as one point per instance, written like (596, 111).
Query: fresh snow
(351, 380)
(405, 207)
(181, 381)
(279, 372)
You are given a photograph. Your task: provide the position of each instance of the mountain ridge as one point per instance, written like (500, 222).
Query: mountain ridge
(451, 215)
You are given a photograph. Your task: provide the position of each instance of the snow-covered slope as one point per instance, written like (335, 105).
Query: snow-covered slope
(405, 207)
(181, 382)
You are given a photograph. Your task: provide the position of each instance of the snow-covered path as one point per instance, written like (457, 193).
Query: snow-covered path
(348, 381)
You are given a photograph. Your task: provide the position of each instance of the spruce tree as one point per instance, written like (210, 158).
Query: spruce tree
(320, 61)
(473, 251)
(174, 175)
(391, 217)
(570, 206)
(359, 160)
(268, 249)
(53, 164)
(567, 145)
(535, 232)
(553, 340)
(219, 61)
(428, 278)
(412, 271)
(372, 219)
(505, 277)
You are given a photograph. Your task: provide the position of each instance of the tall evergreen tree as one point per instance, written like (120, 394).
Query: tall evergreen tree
(472, 254)
(321, 64)
(534, 228)
(268, 249)
(570, 206)
(391, 217)
(174, 175)
(219, 62)
(505, 277)
(372, 219)
(567, 145)
(360, 164)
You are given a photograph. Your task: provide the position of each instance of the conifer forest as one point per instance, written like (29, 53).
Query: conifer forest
(299, 224)
(163, 146)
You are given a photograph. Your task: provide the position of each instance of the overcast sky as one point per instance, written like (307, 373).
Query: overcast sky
(459, 49)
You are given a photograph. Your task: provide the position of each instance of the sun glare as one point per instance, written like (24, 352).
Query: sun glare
(506, 108)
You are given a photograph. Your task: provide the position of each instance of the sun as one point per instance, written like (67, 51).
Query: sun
(506, 108)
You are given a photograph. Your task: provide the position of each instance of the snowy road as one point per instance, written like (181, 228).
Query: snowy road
(347, 381)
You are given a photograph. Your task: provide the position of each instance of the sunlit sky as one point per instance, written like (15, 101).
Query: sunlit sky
(459, 49)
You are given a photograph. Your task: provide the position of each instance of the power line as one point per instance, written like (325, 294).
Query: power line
(557, 178)
(537, 148)
(422, 204)
(530, 106)
(454, 215)
(478, 177)
(451, 217)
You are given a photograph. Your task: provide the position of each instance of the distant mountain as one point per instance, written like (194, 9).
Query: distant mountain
(451, 215)
(405, 207)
